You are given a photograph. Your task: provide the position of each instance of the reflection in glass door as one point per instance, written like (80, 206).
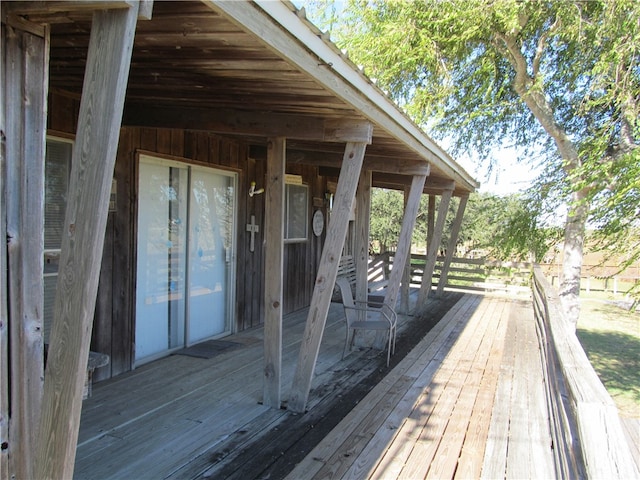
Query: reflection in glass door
(186, 218)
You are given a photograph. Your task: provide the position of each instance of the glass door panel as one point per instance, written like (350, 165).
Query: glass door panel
(211, 226)
(185, 276)
(161, 265)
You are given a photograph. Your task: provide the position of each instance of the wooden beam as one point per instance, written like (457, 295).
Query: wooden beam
(292, 39)
(241, 122)
(375, 163)
(25, 80)
(404, 242)
(453, 241)
(273, 254)
(361, 247)
(56, 7)
(345, 130)
(406, 273)
(93, 159)
(326, 277)
(431, 219)
(432, 254)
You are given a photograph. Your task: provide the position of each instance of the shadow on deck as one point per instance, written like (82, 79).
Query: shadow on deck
(188, 417)
(464, 397)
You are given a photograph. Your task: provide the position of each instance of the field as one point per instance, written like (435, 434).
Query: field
(610, 334)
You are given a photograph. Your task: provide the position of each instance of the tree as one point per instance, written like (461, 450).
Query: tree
(386, 218)
(559, 79)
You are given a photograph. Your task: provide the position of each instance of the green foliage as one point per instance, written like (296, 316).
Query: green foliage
(504, 227)
(507, 227)
(387, 207)
(558, 79)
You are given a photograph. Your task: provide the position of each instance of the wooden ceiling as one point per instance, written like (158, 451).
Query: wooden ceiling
(193, 67)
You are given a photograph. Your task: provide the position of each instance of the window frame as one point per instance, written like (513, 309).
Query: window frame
(289, 214)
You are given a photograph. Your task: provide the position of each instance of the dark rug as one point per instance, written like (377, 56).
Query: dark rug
(208, 349)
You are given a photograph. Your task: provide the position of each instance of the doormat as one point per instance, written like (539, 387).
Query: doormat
(208, 349)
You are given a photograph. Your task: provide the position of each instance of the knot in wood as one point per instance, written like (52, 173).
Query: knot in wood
(269, 371)
(276, 304)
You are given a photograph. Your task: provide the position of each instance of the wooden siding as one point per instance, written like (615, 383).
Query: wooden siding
(115, 308)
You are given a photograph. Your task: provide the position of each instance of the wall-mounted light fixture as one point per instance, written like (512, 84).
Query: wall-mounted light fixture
(254, 191)
(328, 199)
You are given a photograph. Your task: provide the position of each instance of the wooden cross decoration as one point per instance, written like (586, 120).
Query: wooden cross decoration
(253, 229)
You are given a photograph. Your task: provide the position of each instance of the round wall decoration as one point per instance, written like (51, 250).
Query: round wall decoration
(318, 223)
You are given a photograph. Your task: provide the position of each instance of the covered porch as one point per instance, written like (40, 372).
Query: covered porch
(187, 417)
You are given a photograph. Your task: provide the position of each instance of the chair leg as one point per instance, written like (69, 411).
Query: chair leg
(346, 342)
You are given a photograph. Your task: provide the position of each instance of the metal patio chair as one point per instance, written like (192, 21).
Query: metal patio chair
(367, 316)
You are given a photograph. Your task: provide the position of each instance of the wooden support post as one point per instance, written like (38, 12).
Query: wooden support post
(361, 251)
(404, 243)
(431, 219)
(25, 80)
(451, 248)
(326, 278)
(93, 159)
(432, 253)
(274, 247)
(406, 274)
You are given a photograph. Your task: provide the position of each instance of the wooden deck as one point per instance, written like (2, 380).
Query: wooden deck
(466, 401)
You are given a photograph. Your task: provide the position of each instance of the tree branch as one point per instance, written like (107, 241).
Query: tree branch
(542, 44)
(533, 96)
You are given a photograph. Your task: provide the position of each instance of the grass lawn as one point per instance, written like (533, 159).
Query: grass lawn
(610, 335)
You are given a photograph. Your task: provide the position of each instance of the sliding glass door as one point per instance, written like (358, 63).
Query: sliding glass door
(186, 252)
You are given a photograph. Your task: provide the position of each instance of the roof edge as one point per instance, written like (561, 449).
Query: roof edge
(366, 97)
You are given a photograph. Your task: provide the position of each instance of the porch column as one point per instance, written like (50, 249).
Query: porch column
(404, 243)
(431, 219)
(93, 159)
(25, 81)
(432, 254)
(273, 254)
(327, 272)
(406, 273)
(361, 253)
(453, 241)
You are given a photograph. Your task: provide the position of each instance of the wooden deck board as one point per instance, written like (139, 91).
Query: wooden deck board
(450, 380)
(412, 366)
(456, 417)
(472, 452)
(444, 410)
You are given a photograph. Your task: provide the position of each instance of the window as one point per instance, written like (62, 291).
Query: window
(57, 165)
(296, 212)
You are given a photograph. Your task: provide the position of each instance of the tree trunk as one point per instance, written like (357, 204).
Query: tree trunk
(572, 256)
(536, 100)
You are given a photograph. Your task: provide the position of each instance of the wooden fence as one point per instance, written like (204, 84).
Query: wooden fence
(481, 274)
(587, 434)
(476, 274)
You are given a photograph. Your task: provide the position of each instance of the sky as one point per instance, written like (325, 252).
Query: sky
(508, 175)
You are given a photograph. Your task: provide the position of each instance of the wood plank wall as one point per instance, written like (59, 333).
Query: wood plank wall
(114, 327)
